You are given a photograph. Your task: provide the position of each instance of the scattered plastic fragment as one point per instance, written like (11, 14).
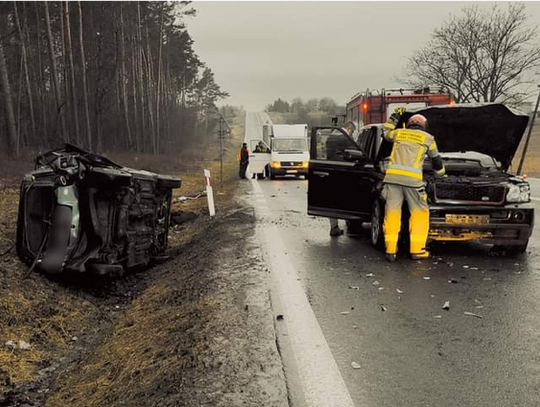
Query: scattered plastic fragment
(437, 316)
(355, 365)
(354, 287)
(383, 308)
(472, 314)
(369, 275)
(453, 281)
(354, 326)
(465, 267)
(446, 305)
(487, 279)
(280, 317)
(381, 288)
(426, 278)
(477, 301)
(23, 345)
(375, 282)
(399, 291)
(345, 313)
(432, 295)
(479, 306)
(475, 268)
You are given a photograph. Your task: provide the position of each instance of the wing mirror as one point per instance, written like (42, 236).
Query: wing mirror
(353, 155)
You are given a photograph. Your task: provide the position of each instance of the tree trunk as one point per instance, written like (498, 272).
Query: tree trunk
(75, 110)
(26, 75)
(123, 79)
(56, 85)
(83, 74)
(8, 105)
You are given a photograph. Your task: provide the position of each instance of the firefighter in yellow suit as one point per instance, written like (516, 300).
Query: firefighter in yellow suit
(404, 180)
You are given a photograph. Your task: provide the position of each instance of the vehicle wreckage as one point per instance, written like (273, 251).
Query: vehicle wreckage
(81, 212)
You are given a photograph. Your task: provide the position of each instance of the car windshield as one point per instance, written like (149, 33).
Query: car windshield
(289, 144)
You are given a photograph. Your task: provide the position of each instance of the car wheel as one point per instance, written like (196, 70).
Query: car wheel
(260, 175)
(377, 219)
(272, 175)
(354, 227)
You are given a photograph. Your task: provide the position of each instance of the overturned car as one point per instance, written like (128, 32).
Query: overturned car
(81, 212)
(477, 200)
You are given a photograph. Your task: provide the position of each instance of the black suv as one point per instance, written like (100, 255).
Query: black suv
(81, 212)
(477, 199)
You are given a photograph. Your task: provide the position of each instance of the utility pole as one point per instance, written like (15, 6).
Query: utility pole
(535, 112)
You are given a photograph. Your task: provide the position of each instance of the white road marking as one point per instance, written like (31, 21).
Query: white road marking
(321, 379)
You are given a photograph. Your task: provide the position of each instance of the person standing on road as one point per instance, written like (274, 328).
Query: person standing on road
(243, 158)
(404, 180)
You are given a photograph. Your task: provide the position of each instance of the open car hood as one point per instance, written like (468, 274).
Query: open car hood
(490, 128)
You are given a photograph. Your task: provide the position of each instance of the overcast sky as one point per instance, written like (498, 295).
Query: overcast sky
(260, 51)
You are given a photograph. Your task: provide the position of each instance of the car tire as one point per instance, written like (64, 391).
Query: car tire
(354, 227)
(260, 175)
(376, 229)
(272, 175)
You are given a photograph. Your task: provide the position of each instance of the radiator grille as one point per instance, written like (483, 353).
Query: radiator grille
(487, 194)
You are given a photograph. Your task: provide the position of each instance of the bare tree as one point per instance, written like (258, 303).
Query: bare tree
(481, 56)
(83, 74)
(8, 104)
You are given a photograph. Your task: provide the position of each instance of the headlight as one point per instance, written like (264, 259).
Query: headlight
(275, 164)
(518, 193)
(305, 164)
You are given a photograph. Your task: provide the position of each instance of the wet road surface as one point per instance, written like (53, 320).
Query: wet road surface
(388, 318)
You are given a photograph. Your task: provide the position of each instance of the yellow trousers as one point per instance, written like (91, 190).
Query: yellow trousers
(418, 222)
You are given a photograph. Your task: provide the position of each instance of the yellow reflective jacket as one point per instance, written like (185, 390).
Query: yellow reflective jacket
(408, 155)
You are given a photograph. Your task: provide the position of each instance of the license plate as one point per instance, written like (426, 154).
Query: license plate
(292, 171)
(467, 219)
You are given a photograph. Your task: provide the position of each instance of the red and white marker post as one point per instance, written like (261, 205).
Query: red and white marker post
(209, 193)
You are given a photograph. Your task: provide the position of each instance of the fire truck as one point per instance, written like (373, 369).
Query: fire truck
(375, 107)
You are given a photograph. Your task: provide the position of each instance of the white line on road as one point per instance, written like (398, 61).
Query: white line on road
(321, 379)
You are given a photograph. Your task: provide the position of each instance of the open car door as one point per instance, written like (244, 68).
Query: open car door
(259, 157)
(341, 176)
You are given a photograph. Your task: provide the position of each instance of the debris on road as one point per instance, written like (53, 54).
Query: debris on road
(345, 313)
(355, 365)
(426, 278)
(453, 281)
(465, 267)
(375, 282)
(383, 308)
(280, 317)
(487, 279)
(472, 314)
(369, 275)
(354, 287)
(399, 291)
(381, 288)
(437, 316)
(446, 305)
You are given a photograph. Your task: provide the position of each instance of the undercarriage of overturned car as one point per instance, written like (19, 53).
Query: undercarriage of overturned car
(477, 199)
(81, 212)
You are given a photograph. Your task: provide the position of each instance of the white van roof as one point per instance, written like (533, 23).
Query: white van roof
(290, 130)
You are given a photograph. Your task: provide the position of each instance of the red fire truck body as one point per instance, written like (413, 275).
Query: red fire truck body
(369, 108)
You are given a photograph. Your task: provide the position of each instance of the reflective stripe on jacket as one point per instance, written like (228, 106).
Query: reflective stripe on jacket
(408, 155)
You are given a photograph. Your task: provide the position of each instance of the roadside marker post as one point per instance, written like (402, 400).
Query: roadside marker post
(209, 193)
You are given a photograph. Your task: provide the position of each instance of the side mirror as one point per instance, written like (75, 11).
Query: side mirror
(353, 155)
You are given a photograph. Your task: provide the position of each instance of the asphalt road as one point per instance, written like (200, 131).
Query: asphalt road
(388, 318)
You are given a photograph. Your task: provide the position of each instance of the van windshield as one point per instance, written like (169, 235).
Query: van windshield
(289, 144)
